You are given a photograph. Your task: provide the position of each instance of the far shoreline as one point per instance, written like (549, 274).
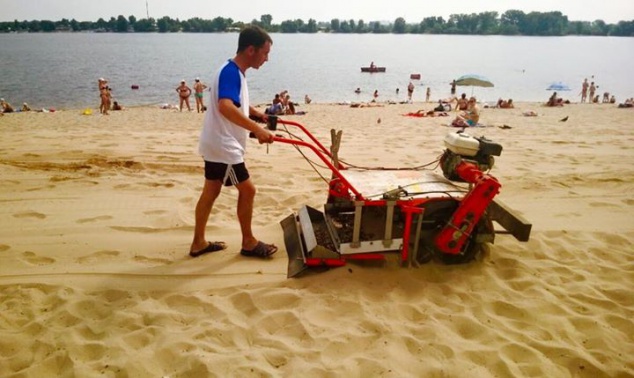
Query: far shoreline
(485, 105)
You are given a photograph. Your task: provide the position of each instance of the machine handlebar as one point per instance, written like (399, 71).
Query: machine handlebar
(322, 152)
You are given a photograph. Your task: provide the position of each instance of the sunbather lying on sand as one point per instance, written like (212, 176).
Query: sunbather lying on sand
(423, 113)
(362, 105)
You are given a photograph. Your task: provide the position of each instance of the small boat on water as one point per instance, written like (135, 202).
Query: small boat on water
(372, 69)
(414, 76)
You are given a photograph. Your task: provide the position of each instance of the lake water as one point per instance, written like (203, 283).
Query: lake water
(61, 70)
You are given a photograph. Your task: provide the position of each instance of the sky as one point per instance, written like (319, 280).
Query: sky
(413, 11)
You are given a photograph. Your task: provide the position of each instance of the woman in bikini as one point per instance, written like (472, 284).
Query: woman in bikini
(469, 117)
(104, 95)
(183, 93)
(198, 94)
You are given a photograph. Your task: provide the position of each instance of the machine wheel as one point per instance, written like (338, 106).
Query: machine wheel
(468, 253)
(436, 215)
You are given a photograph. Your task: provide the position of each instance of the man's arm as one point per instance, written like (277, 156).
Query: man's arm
(257, 114)
(231, 112)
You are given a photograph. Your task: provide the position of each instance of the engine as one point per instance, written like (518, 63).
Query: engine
(462, 147)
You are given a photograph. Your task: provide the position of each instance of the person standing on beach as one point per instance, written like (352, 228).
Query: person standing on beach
(183, 94)
(584, 90)
(198, 94)
(104, 96)
(592, 90)
(223, 141)
(427, 94)
(410, 91)
(453, 87)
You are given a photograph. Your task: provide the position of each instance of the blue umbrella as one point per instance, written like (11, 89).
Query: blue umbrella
(558, 86)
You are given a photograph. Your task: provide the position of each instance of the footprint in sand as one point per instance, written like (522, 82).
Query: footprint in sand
(158, 184)
(33, 259)
(88, 182)
(94, 219)
(603, 204)
(60, 178)
(29, 214)
(141, 230)
(155, 212)
(167, 158)
(45, 187)
(152, 260)
(4, 247)
(567, 215)
(98, 256)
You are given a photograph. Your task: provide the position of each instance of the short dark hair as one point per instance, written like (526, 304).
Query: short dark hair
(253, 35)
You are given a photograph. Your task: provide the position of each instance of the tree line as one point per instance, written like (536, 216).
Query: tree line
(511, 22)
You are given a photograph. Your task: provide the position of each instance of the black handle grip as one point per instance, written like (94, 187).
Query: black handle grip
(271, 123)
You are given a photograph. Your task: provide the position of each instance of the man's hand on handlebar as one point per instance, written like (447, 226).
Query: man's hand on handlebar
(264, 136)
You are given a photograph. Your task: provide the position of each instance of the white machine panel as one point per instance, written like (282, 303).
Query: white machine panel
(372, 184)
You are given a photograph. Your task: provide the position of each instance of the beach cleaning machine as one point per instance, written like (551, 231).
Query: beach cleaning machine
(416, 213)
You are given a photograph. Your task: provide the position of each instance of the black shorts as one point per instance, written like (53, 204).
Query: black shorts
(229, 174)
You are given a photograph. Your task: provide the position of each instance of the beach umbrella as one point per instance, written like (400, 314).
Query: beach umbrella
(558, 86)
(474, 81)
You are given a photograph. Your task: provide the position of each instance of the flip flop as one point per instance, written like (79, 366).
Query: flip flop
(211, 247)
(261, 250)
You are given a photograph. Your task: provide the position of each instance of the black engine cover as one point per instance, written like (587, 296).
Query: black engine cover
(488, 147)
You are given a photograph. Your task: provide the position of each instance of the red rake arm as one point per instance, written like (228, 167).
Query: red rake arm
(453, 236)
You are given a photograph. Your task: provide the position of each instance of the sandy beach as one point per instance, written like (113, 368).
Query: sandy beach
(98, 214)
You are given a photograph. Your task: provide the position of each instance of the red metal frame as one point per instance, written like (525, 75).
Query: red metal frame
(453, 236)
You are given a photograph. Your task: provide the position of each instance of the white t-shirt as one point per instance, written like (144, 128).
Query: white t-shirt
(222, 141)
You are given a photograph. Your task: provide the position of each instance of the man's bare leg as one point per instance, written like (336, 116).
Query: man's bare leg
(211, 191)
(246, 196)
